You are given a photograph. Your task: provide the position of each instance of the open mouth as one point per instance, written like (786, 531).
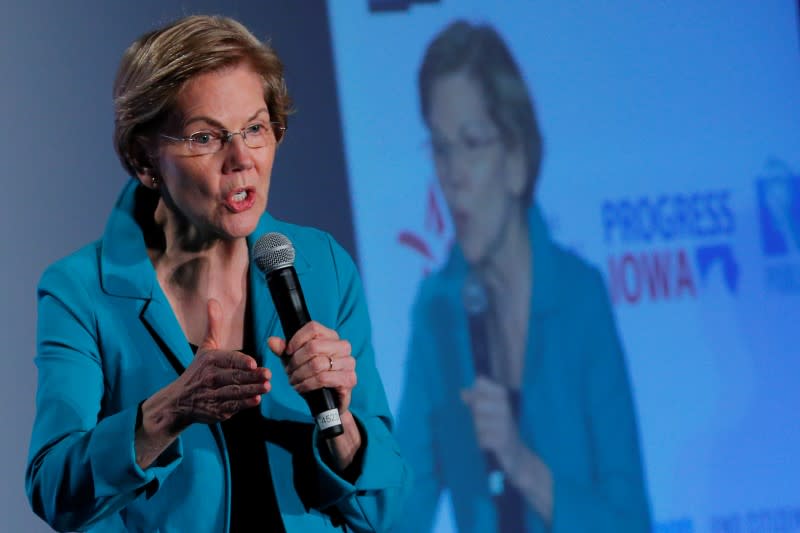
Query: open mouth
(460, 219)
(239, 200)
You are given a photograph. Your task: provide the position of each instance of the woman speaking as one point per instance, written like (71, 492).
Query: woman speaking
(162, 402)
(516, 397)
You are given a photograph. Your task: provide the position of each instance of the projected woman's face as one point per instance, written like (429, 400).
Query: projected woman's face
(481, 178)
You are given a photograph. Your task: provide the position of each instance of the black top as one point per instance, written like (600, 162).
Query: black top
(511, 503)
(254, 506)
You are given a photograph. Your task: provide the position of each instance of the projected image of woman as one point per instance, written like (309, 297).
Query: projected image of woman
(521, 408)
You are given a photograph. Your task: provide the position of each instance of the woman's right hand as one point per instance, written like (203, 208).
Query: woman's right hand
(219, 382)
(215, 386)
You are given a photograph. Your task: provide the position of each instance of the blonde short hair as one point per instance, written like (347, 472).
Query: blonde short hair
(157, 65)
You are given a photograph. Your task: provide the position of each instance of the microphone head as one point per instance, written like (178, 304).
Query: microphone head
(474, 296)
(273, 251)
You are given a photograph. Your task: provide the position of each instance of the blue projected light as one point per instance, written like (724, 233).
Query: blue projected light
(656, 122)
(708, 256)
(779, 214)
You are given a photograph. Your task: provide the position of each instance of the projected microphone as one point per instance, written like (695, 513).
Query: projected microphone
(274, 256)
(476, 304)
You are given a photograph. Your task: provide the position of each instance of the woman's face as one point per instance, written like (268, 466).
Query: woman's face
(481, 178)
(220, 194)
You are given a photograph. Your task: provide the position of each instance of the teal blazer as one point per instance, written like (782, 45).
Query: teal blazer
(107, 339)
(576, 410)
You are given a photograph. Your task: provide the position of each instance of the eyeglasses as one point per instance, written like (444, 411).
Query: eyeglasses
(470, 146)
(255, 135)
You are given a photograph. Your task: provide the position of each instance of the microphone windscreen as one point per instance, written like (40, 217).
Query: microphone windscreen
(474, 296)
(273, 251)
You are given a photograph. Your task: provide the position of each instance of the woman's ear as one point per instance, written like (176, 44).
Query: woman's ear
(143, 164)
(147, 177)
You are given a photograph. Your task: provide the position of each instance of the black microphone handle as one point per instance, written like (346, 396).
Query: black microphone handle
(293, 314)
(480, 357)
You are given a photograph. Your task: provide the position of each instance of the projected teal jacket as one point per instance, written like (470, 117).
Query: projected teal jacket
(576, 410)
(107, 339)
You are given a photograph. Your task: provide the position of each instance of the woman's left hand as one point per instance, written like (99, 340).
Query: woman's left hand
(494, 423)
(315, 358)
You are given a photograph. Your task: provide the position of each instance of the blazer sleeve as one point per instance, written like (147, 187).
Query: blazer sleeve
(81, 465)
(617, 500)
(373, 502)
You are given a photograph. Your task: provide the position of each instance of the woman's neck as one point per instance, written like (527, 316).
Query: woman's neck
(191, 270)
(508, 268)
(191, 261)
(508, 277)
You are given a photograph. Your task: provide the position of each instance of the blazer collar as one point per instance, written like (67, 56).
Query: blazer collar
(125, 268)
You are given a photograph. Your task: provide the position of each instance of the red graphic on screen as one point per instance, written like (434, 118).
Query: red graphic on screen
(428, 245)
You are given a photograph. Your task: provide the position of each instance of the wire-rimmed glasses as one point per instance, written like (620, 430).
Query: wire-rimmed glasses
(470, 144)
(210, 141)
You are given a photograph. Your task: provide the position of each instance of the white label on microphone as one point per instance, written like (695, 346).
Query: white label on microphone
(328, 419)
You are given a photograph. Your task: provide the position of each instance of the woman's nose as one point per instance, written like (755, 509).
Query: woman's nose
(238, 155)
(456, 171)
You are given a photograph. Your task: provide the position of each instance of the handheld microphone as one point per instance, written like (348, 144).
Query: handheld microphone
(476, 304)
(274, 255)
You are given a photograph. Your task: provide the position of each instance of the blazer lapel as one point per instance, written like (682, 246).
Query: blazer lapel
(544, 309)
(167, 333)
(126, 272)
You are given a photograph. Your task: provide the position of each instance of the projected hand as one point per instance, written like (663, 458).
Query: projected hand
(494, 423)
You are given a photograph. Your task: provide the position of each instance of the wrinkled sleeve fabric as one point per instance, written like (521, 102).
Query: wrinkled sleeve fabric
(375, 500)
(616, 501)
(81, 465)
